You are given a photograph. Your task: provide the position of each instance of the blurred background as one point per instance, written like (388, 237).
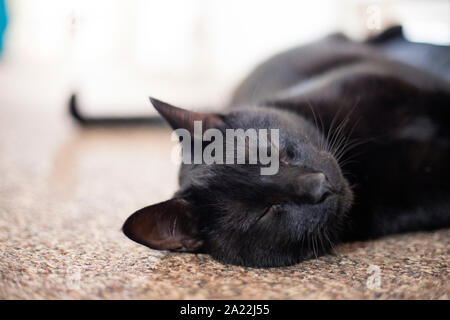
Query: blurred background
(193, 53)
(66, 190)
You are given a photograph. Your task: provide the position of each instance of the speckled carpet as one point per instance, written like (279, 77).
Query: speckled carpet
(65, 192)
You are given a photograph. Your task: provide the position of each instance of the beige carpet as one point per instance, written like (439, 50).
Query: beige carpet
(65, 192)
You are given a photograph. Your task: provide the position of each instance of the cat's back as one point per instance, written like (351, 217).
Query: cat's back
(296, 65)
(388, 54)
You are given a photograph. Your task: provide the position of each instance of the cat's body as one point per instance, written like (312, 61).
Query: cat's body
(399, 114)
(348, 115)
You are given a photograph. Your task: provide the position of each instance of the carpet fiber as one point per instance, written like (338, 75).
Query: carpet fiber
(65, 192)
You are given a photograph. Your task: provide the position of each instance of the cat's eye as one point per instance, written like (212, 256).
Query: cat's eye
(290, 153)
(268, 213)
(287, 156)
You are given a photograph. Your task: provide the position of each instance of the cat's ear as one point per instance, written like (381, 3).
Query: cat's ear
(180, 118)
(168, 225)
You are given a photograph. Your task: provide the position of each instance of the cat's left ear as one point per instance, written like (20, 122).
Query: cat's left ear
(180, 118)
(168, 225)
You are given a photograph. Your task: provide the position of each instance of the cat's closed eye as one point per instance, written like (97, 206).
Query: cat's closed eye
(287, 157)
(269, 213)
(290, 154)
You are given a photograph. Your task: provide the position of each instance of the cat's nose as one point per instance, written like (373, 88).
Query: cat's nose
(314, 186)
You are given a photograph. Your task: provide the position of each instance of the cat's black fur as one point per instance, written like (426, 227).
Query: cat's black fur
(365, 152)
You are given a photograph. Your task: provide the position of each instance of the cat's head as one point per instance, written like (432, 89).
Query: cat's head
(238, 215)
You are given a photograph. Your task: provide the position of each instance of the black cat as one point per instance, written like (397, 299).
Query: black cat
(364, 152)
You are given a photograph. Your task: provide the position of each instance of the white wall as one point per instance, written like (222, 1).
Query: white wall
(190, 52)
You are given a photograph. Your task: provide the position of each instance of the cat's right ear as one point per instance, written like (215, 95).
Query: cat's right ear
(180, 118)
(168, 225)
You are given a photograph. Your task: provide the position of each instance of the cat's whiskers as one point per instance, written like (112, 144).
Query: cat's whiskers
(320, 237)
(322, 143)
(338, 138)
(338, 133)
(342, 143)
(332, 246)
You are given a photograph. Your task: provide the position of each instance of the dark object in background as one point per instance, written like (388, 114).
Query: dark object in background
(433, 58)
(85, 121)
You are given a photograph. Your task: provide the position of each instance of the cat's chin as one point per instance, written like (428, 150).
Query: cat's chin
(264, 262)
(310, 231)
(274, 259)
